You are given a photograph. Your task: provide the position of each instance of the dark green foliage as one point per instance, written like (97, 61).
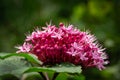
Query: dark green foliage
(21, 65)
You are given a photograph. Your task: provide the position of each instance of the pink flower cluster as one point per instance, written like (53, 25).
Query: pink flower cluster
(54, 45)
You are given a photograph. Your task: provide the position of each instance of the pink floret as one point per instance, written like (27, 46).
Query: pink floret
(54, 45)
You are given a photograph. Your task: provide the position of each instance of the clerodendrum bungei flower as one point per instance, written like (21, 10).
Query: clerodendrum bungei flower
(54, 45)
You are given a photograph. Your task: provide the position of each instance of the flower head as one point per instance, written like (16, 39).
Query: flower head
(54, 45)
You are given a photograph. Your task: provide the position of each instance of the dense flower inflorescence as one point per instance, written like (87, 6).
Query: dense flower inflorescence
(54, 45)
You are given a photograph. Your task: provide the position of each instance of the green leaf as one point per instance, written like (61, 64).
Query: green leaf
(62, 76)
(31, 76)
(76, 77)
(30, 57)
(8, 77)
(62, 68)
(13, 65)
(3, 54)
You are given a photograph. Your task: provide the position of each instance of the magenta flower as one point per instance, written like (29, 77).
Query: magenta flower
(54, 45)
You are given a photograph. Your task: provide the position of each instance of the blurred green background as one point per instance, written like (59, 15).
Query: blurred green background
(101, 17)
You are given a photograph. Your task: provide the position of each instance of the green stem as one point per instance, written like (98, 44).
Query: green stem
(44, 75)
(44, 78)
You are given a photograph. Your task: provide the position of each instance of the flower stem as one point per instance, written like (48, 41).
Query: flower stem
(44, 75)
